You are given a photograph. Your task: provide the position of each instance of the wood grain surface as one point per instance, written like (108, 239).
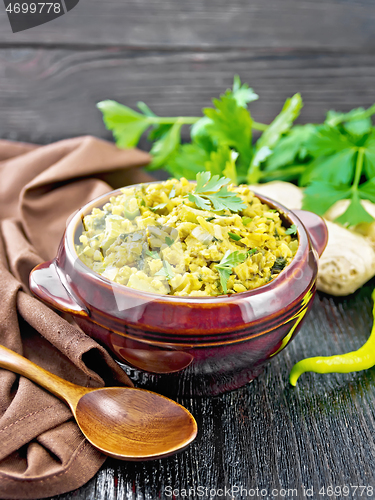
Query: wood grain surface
(327, 24)
(49, 94)
(268, 434)
(176, 56)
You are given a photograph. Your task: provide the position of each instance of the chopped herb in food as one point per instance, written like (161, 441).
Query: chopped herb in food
(279, 265)
(226, 265)
(234, 236)
(291, 230)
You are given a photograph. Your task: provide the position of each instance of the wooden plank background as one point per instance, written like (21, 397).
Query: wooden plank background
(176, 56)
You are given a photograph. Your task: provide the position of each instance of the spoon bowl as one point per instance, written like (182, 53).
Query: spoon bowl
(123, 422)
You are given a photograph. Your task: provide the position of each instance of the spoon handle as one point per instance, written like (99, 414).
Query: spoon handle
(61, 388)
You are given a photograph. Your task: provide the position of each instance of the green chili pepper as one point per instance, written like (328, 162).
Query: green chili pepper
(354, 361)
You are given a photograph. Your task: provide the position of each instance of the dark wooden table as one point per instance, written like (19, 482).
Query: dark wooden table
(269, 435)
(176, 56)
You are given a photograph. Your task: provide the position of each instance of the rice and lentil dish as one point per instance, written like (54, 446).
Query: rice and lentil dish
(153, 238)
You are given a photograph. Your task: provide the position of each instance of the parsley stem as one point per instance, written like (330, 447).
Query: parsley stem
(259, 126)
(294, 170)
(189, 120)
(358, 168)
(369, 112)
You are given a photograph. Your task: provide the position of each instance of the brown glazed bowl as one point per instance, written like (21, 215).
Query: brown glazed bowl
(186, 345)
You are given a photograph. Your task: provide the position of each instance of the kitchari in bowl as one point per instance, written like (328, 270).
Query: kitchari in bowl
(186, 337)
(185, 239)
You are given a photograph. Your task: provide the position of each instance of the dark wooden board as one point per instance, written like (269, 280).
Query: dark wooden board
(321, 24)
(176, 56)
(268, 434)
(49, 94)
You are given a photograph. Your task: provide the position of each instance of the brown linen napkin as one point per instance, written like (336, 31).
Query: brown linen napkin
(42, 451)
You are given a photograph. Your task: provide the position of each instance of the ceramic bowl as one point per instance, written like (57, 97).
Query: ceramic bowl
(188, 346)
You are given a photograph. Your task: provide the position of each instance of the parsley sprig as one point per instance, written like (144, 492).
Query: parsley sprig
(332, 161)
(228, 262)
(211, 193)
(226, 265)
(166, 271)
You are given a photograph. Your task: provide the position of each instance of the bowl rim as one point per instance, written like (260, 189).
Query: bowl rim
(76, 219)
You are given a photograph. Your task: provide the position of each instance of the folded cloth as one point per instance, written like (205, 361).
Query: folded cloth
(42, 452)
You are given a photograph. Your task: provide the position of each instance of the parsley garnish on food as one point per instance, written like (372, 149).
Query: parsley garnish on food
(166, 271)
(226, 265)
(153, 254)
(234, 236)
(169, 241)
(246, 220)
(211, 193)
(158, 207)
(333, 161)
(252, 251)
(291, 230)
(278, 265)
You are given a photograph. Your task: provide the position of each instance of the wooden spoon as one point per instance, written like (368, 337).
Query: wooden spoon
(122, 422)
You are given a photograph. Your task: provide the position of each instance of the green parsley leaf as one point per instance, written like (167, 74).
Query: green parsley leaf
(268, 140)
(246, 220)
(230, 170)
(291, 230)
(213, 189)
(226, 265)
(158, 130)
(251, 252)
(278, 265)
(169, 241)
(172, 193)
(358, 114)
(358, 127)
(234, 236)
(320, 196)
(201, 137)
(355, 213)
(166, 271)
(242, 93)
(222, 200)
(369, 163)
(153, 254)
(199, 201)
(208, 184)
(127, 125)
(282, 123)
(187, 161)
(158, 207)
(290, 148)
(223, 162)
(367, 190)
(326, 141)
(165, 147)
(336, 169)
(231, 125)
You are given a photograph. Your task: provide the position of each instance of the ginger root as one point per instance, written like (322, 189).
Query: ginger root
(348, 261)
